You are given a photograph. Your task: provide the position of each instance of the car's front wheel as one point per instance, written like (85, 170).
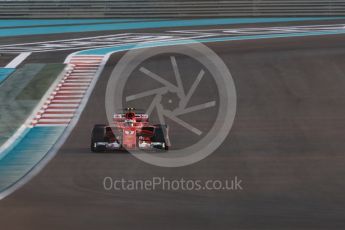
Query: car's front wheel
(98, 135)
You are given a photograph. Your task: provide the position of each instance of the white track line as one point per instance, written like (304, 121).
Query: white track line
(19, 59)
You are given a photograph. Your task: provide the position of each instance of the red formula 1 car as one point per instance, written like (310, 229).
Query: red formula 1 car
(130, 131)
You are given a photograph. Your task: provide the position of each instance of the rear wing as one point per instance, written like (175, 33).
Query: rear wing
(121, 117)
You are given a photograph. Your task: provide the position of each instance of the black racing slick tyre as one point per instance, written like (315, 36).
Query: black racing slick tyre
(98, 135)
(161, 134)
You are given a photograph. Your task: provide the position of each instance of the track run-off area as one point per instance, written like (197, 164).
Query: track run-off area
(286, 143)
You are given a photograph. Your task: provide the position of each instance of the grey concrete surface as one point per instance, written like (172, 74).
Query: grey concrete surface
(286, 145)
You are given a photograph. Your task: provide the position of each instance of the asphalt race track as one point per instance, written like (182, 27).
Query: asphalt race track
(286, 145)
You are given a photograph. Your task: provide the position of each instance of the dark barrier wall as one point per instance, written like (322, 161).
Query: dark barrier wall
(168, 8)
